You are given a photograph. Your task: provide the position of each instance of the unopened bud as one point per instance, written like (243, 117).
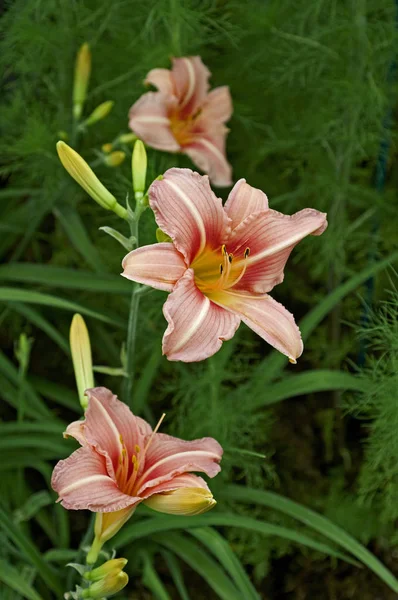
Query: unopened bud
(106, 526)
(114, 159)
(113, 566)
(106, 148)
(86, 178)
(161, 236)
(108, 586)
(139, 166)
(126, 138)
(182, 501)
(99, 113)
(82, 76)
(81, 357)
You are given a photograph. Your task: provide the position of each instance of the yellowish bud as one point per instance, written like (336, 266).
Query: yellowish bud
(126, 138)
(106, 148)
(115, 565)
(81, 357)
(114, 159)
(106, 526)
(108, 586)
(86, 178)
(82, 76)
(139, 166)
(99, 113)
(161, 236)
(183, 501)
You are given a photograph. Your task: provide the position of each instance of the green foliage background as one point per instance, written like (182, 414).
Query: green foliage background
(313, 83)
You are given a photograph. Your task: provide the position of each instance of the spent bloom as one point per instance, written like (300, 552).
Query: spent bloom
(123, 462)
(183, 116)
(221, 264)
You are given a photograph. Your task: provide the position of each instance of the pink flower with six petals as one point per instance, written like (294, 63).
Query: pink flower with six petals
(221, 265)
(182, 116)
(123, 462)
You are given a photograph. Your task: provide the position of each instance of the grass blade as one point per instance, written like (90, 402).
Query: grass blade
(12, 578)
(316, 522)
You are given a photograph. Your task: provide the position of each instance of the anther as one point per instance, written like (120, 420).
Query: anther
(230, 257)
(137, 448)
(221, 269)
(247, 252)
(224, 249)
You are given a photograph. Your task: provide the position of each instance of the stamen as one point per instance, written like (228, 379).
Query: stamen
(154, 431)
(247, 252)
(243, 271)
(137, 448)
(221, 269)
(224, 249)
(230, 257)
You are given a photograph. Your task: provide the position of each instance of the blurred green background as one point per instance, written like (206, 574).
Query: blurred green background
(314, 89)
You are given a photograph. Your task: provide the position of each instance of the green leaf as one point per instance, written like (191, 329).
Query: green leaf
(176, 573)
(200, 561)
(151, 580)
(223, 552)
(147, 527)
(307, 383)
(57, 393)
(60, 277)
(269, 368)
(33, 504)
(316, 522)
(27, 547)
(11, 577)
(37, 319)
(8, 294)
(62, 555)
(77, 234)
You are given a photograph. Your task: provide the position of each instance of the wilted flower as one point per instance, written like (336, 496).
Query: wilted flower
(182, 116)
(221, 264)
(123, 462)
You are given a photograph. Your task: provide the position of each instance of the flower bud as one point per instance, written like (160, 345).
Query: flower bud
(113, 566)
(114, 159)
(182, 501)
(107, 148)
(139, 166)
(106, 526)
(82, 76)
(81, 357)
(108, 586)
(86, 178)
(126, 138)
(99, 113)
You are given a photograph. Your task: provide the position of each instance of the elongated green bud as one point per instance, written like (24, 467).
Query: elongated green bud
(82, 76)
(139, 166)
(113, 566)
(81, 357)
(99, 113)
(86, 178)
(182, 501)
(108, 586)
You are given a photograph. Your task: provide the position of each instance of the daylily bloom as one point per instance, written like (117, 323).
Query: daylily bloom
(182, 116)
(221, 265)
(123, 462)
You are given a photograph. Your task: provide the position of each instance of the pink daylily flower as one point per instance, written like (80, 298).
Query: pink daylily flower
(182, 116)
(221, 265)
(122, 462)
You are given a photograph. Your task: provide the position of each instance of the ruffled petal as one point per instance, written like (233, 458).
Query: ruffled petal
(207, 151)
(157, 265)
(162, 79)
(149, 120)
(82, 482)
(271, 236)
(197, 327)
(168, 456)
(191, 83)
(108, 425)
(244, 200)
(187, 210)
(266, 317)
(218, 105)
